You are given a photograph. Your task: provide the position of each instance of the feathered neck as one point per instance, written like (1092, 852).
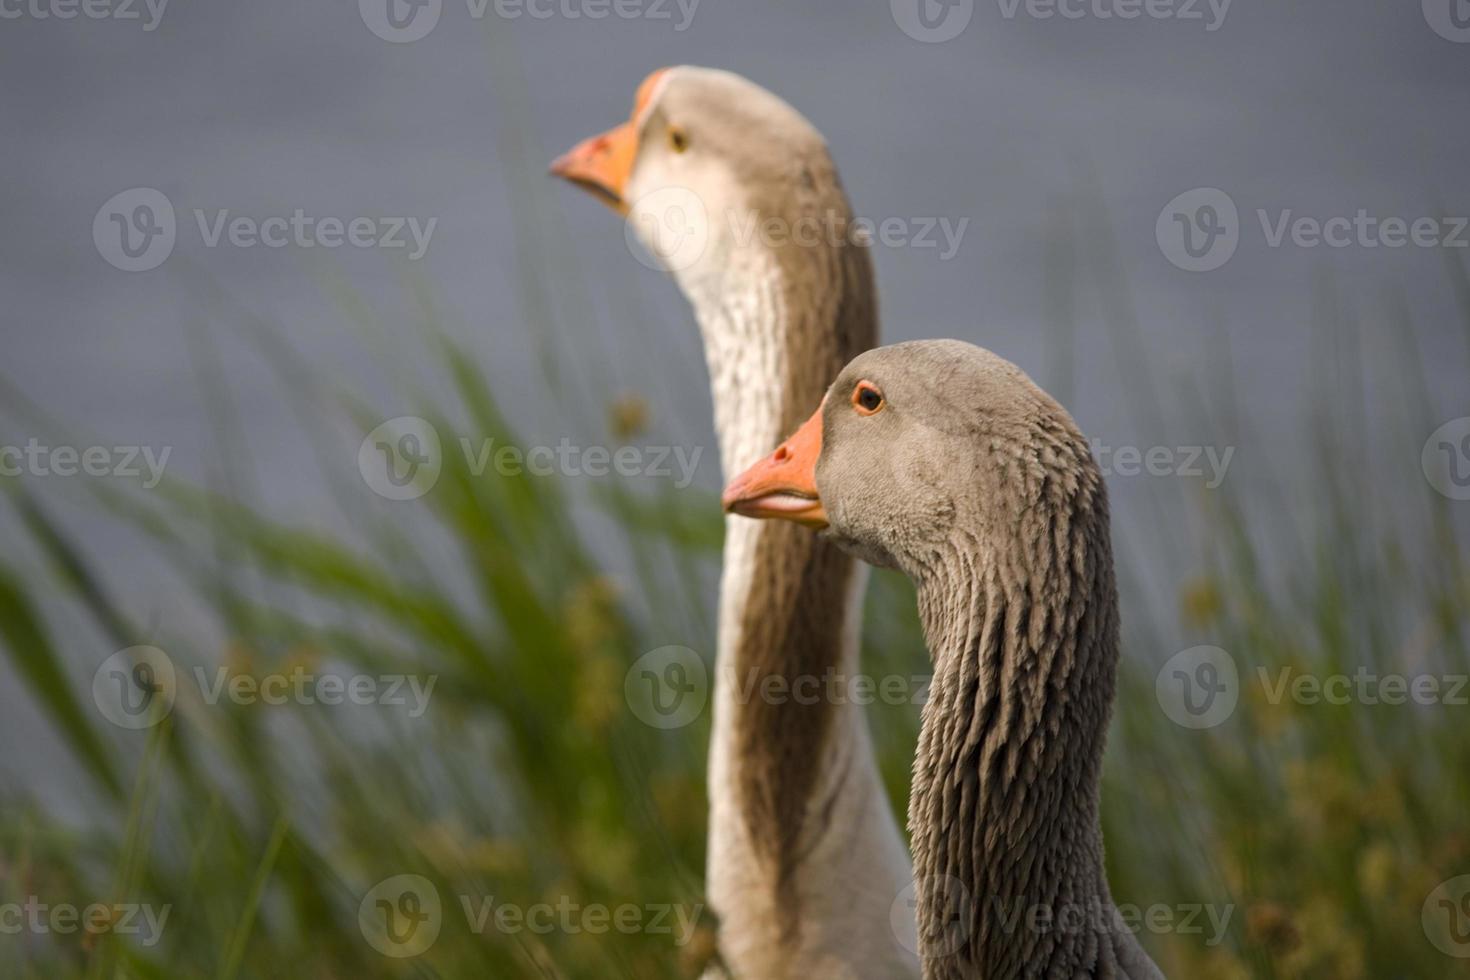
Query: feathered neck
(1021, 618)
(798, 814)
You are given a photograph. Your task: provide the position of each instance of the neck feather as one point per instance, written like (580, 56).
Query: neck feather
(778, 325)
(1022, 623)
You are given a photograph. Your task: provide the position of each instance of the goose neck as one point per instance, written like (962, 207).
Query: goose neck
(1004, 808)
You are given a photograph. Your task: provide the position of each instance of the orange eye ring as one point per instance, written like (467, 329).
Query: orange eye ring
(866, 398)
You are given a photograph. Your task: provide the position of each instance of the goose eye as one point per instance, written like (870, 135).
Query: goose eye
(867, 398)
(678, 139)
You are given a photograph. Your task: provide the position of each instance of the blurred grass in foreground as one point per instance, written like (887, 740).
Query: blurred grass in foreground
(1319, 829)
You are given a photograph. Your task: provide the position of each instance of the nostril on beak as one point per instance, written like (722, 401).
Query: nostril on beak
(782, 453)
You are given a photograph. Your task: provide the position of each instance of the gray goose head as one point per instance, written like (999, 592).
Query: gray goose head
(920, 448)
(947, 462)
(705, 157)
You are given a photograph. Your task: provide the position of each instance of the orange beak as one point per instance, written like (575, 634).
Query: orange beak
(603, 163)
(784, 484)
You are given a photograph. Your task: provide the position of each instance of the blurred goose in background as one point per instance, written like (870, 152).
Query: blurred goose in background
(805, 858)
(948, 463)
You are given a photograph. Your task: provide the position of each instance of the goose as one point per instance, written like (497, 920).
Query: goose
(804, 854)
(948, 463)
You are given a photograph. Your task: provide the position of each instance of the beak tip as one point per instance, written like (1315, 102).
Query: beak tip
(730, 499)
